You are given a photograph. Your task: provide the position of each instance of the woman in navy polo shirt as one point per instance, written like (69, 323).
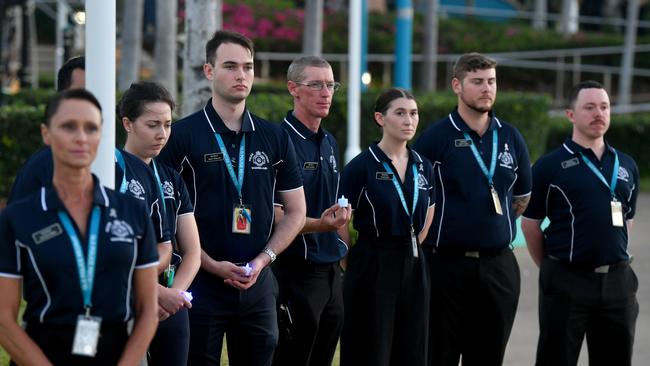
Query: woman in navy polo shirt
(146, 113)
(84, 255)
(385, 288)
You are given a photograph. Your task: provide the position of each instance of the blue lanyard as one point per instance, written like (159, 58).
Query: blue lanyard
(86, 269)
(160, 185)
(489, 174)
(237, 180)
(120, 162)
(401, 193)
(614, 180)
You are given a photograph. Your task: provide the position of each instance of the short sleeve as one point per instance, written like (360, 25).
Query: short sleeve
(432, 186)
(634, 194)
(289, 177)
(524, 173)
(147, 250)
(9, 251)
(536, 209)
(184, 203)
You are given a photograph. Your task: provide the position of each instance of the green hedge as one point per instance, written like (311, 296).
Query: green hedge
(630, 133)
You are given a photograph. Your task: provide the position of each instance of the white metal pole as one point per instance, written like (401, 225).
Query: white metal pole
(627, 64)
(100, 80)
(354, 81)
(61, 22)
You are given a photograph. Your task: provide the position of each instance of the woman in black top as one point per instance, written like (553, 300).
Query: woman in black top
(146, 114)
(84, 255)
(385, 288)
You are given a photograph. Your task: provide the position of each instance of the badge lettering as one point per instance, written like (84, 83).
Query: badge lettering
(310, 165)
(47, 233)
(209, 158)
(463, 143)
(383, 176)
(570, 163)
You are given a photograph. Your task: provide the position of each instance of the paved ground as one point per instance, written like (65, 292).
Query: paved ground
(523, 341)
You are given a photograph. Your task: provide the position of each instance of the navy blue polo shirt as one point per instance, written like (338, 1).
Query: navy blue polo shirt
(177, 198)
(577, 204)
(465, 217)
(378, 210)
(317, 155)
(270, 166)
(34, 247)
(141, 184)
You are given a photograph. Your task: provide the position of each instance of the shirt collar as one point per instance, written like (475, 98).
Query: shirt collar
(574, 148)
(50, 200)
(459, 123)
(379, 155)
(299, 128)
(217, 125)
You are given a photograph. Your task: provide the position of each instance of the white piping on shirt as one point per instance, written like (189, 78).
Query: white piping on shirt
(294, 129)
(374, 219)
(127, 301)
(43, 203)
(442, 190)
(570, 211)
(40, 277)
(185, 159)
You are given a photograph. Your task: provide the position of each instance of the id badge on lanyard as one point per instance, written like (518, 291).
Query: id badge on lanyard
(489, 174)
(616, 206)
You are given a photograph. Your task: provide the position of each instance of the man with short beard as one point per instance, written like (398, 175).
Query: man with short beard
(484, 183)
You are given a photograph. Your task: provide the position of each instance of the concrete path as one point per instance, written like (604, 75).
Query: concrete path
(523, 341)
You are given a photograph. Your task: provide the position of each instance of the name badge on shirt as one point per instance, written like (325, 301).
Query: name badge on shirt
(86, 335)
(241, 223)
(310, 165)
(383, 176)
(462, 143)
(570, 163)
(47, 233)
(209, 158)
(617, 213)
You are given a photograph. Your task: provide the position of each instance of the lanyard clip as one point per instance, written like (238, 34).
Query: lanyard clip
(87, 307)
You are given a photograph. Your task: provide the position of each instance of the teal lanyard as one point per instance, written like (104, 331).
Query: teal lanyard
(400, 193)
(237, 180)
(489, 174)
(120, 162)
(613, 181)
(160, 185)
(85, 268)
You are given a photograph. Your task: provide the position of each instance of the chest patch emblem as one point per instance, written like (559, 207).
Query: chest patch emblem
(209, 158)
(422, 182)
(570, 163)
(310, 165)
(505, 158)
(383, 176)
(623, 174)
(259, 160)
(168, 189)
(47, 233)
(333, 163)
(120, 231)
(136, 189)
(462, 143)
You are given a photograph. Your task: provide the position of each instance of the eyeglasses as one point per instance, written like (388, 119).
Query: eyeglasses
(319, 85)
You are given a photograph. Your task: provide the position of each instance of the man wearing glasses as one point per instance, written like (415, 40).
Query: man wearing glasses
(308, 272)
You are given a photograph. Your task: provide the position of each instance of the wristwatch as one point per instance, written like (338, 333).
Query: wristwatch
(270, 253)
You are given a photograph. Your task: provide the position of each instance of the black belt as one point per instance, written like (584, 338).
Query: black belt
(607, 268)
(480, 253)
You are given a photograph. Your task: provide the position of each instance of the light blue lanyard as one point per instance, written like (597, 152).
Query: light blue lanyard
(489, 174)
(237, 180)
(120, 162)
(160, 185)
(400, 193)
(614, 180)
(85, 268)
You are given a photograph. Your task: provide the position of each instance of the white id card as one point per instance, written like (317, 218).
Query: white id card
(86, 335)
(617, 213)
(496, 201)
(414, 244)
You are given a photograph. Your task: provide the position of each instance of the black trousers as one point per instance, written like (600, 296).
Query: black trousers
(171, 343)
(313, 295)
(56, 342)
(248, 318)
(574, 302)
(386, 296)
(473, 306)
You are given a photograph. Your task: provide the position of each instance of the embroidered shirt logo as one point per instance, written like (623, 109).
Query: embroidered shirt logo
(623, 174)
(47, 233)
(505, 158)
(333, 163)
(423, 183)
(120, 231)
(259, 159)
(168, 189)
(136, 189)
